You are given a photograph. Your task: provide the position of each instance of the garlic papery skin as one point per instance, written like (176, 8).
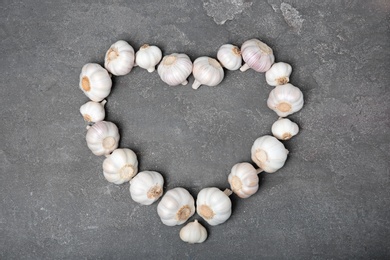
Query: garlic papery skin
(93, 112)
(284, 129)
(176, 206)
(95, 82)
(257, 56)
(119, 59)
(269, 153)
(229, 56)
(120, 166)
(243, 180)
(147, 57)
(214, 205)
(207, 71)
(146, 187)
(174, 69)
(102, 138)
(285, 100)
(278, 74)
(193, 233)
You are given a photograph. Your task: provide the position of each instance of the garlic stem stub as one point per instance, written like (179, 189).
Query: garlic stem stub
(174, 69)
(285, 100)
(148, 56)
(229, 56)
(257, 56)
(207, 71)
(120, 166)
(93, 112)
(284, 129)
(95, 82)
(119, 59)
(193, 233)
(146, 187)
(102, 138)
(278, 74)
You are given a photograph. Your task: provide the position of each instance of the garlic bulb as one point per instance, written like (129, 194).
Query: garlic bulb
(148, 57)
(285, 100)
(175, 69)
(214, 205)
(119, 59)
(120, 166)
(257, 55)
(284, 129)
(176, 206)
(146, 187)
(243, 180)
(278, 74)
(193, 233)
(269, 153)
(93, 111)
(207, 71)
(95, 82)
(102, 138)
(229, 56)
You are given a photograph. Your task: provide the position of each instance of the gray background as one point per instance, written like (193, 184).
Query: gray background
(331, 200)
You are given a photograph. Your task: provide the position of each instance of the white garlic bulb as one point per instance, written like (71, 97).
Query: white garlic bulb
(285, 100)
(207, 71)
(102, 138)
(146, 187)
(229, 56)
(257, 56)
(93, 112)
(147, 57)
(174, 69)
(243, 180)
(120, 166)
(214, 205)
(278, 74)
(95, 82)
(284, 129)
(176, 206)
(119, 59)
(269, 153)
(193, 233)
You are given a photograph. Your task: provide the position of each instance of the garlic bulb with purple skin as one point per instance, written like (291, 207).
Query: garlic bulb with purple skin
(229, 56)
(174, 69)
(207, 71)
(102, 138)
(257, 56)
(285, 100)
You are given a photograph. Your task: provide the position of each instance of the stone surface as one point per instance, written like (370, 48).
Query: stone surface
(332, 198)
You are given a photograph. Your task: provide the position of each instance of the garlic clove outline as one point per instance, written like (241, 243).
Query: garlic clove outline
(174, 69)
(229, 56)
(93, 112)
(278, 74)
(193, 233)
(243, 180)
(102, 138)
(146, 187)
(284, 129)
(269, 153)
(119, 58)
(120, 166)
(257, 55)
(285, 100)
(95, 82)
(207, 71)
(148, 56)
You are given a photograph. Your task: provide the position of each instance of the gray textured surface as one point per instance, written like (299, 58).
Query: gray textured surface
(331, 200)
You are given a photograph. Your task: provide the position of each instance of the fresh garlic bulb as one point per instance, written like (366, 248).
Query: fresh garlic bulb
(146, 187)
(269, 153)
(207, 71)
(119, 59)
(176, 206)
(229, 56)
(95, 82)
(102, 138)
(193, 233)
(148, 57)
(120, 166)
(243, 180)
(93, 112)
(214, 205)
(175, 69)
(285, 100)
(278, 74)
(257, 55)
(284, 129)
